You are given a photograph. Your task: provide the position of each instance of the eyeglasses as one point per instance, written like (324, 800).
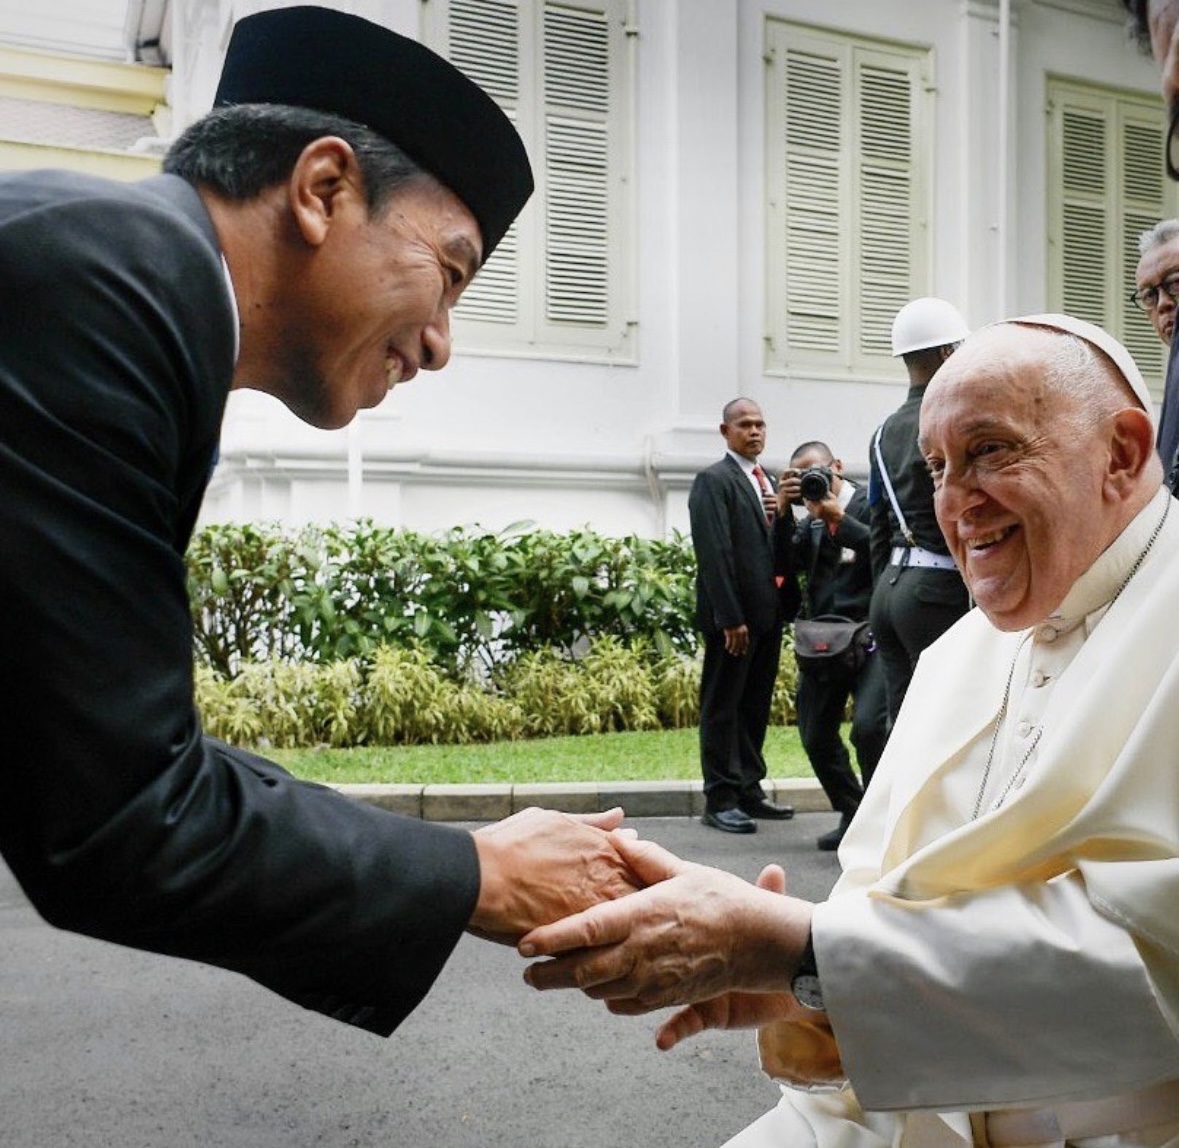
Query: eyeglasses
(1148, 298)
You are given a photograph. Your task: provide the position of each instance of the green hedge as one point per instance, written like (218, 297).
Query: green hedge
(473, 600)
(346, 636)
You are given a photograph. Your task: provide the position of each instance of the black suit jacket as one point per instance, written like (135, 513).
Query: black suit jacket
(117, 816)
(810, 551)
(734, 552)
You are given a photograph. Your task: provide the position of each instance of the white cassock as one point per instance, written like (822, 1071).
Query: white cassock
(1011, 977)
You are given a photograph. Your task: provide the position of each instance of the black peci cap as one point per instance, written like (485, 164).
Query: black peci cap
(318, 58)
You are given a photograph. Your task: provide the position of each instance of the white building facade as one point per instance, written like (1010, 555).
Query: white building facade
(734, 197)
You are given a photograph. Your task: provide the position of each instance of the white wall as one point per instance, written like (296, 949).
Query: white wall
(495, 440)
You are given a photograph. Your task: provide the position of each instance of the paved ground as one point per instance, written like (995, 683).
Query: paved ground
(105, 1048)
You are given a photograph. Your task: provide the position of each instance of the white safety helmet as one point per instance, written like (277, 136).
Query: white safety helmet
(927, 322)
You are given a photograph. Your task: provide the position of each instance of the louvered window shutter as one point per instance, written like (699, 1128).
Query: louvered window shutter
(1107, 186)
(889, 224)
(848, 185)
(816, 263)
(484, 42)
(561, 280)
(1143, 204)
(577, 164)
(1085, 265)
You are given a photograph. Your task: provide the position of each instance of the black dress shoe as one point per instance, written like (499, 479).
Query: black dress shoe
(829, 842)
(729, 821)
(765, 809)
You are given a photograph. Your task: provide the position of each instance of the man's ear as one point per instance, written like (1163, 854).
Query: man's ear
(1131, 449)
(325, 177)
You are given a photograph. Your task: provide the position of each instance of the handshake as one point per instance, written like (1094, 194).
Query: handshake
(631, 924)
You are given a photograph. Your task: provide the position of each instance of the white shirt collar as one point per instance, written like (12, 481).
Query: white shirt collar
(237, 315)
(742, 461)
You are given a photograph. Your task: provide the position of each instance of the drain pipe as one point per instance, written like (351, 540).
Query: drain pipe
(1002, 167)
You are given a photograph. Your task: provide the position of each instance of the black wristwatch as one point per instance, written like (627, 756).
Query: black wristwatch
(805, 983)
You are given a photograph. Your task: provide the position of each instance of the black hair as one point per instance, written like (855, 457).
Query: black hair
(242, 149)
(814, 444)
(1138, 23)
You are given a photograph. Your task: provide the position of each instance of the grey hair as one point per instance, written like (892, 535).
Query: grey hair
(1075, 369)
(1162, 232)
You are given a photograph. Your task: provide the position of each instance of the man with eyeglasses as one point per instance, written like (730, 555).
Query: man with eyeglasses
(1155, 23)
(1157, 276)
(1157, 293)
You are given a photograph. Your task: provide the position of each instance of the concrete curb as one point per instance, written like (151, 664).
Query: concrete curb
(491, 802)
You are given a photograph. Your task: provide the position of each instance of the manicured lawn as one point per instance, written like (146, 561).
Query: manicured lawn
(659, 756)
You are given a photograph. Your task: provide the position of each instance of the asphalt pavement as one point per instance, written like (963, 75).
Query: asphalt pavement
(103, 1047)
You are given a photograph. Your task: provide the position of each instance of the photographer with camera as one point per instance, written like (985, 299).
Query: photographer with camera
(829, 549)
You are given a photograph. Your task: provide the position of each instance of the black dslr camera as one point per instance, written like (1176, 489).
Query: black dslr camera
(815, 483)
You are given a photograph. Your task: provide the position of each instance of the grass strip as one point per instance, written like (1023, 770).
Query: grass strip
(655, 756)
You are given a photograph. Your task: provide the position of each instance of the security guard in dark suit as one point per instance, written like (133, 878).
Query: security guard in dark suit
(918, 591)
(732, 506)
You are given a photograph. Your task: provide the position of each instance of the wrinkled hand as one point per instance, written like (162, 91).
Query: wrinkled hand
(538, 866)
(695, 934)
(734, 1010)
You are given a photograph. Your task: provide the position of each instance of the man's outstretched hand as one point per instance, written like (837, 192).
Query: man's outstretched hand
(695, 934)
(538, 866)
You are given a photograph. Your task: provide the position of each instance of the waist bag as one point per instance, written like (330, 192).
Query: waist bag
(832, 643)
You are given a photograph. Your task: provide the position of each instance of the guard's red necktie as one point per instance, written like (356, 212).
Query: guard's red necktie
(764, 483)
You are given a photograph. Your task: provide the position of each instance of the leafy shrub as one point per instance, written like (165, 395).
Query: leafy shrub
(408, 701)
(677, 690)
(782, 709)
(355, 634)
(472, 599)
(282, 704)
(611, 688)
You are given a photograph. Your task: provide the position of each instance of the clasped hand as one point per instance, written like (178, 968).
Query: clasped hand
(696, 936)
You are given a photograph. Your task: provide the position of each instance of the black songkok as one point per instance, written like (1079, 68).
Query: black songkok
(333, 62)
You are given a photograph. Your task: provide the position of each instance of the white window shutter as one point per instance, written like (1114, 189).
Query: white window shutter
(1143, 204)
(561, 281)
(484, 42)
(886, 274)
(847, 211)
(1107, 186)
(1085, 262)
(815, 265)
(577, 166)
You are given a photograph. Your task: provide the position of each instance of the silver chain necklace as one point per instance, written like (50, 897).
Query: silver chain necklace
(1023, 761)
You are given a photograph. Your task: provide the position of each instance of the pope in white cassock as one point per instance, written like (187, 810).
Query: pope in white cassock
(999, 963)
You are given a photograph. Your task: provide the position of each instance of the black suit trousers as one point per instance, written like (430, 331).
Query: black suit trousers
(821, 703)
(735, 699)
(911, 608)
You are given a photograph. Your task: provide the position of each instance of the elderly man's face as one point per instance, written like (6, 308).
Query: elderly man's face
(1158, 266)
(1018, 476)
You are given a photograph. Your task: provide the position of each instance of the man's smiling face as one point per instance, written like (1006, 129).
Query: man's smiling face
(1018, 470)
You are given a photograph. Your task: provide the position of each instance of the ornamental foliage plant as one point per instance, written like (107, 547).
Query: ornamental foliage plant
(358, 634)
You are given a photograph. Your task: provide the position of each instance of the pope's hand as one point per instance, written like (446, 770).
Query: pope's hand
(695, 934)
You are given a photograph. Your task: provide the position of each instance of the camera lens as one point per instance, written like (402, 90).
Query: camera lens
(814, 484)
